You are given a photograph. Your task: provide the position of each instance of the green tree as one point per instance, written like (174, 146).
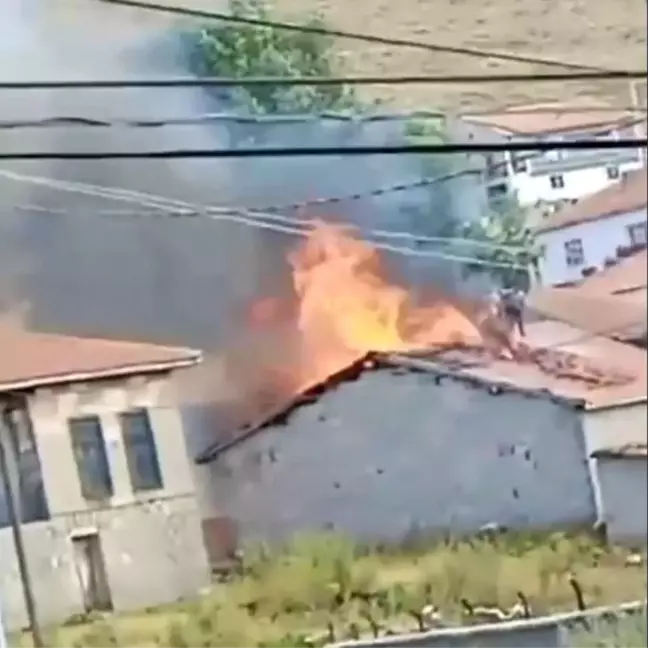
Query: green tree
(506, 229)
(240, 51)
(436, 217)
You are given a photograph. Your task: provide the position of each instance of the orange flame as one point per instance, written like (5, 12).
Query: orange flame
(346, 307)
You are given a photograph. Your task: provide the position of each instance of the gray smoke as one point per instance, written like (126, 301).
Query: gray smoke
(180, 281)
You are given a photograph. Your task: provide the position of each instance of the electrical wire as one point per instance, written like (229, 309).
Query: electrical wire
(244, 82)
(324, 151)
(212, 118)
(369, 38)
(174, 208)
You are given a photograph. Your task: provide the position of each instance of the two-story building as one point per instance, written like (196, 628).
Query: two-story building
(584, 237)
(96, 454)
(552, 177)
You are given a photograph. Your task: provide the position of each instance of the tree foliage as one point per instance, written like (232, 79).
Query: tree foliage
(240, 51)
(436, 217)
(506, 229)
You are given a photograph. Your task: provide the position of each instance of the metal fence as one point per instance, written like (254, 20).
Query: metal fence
(554, 630)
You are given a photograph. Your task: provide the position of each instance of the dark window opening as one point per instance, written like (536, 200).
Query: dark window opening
(141, 452)
(91, 457)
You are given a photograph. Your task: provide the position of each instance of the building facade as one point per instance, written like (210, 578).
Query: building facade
(553, 176)
(583, 238)
(622, 475)
(106, 494)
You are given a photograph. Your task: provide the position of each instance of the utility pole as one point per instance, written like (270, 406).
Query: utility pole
(6, 428)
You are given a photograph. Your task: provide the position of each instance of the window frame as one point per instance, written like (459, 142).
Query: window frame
(91, 491)
(142, 448)
(570, 254)
(611, 176)
(641, 226)
(560, 181)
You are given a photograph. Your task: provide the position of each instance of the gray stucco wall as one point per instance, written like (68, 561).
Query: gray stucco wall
(624, 486)
(151, 541)
(387, 454)
(153, 554)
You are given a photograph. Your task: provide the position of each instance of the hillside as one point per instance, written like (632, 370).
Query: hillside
(593, 32)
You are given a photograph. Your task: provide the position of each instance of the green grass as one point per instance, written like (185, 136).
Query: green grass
(285, 595)
(627, 633)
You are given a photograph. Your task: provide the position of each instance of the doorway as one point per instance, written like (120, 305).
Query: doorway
(91, 570)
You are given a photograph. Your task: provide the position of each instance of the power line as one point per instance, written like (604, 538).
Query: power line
(326, 151)
(369, 38)
(209, 118)
(426, 79)
(164, 205)
(304, 225)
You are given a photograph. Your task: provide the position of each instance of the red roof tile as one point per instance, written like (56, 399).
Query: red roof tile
(626, 195)
(538, 119)
(34, 359)
(602, 314)
(563, 360)
(627, 275)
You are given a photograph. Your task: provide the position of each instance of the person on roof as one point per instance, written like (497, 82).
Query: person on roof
(503, 321)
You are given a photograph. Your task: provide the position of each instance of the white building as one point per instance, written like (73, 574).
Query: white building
(553, 176)
(623, 481)
(582, 238)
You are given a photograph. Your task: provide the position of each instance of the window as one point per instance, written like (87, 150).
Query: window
(497, 191)
(91, 458)
(612, 172)
(557, 181)
(141, 453)
(519, 163)
(574, 253)
(638, 233)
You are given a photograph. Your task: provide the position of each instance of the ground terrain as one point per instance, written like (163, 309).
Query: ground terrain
(284, 596)
(592, 32)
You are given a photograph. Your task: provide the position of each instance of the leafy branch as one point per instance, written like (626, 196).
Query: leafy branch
(241, 51)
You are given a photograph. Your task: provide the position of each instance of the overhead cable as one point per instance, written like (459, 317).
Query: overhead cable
(250, 120)
(328, 151)
(245, 82)
(233, 215)
(369, 38)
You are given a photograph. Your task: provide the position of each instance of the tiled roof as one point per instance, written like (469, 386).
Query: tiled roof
(30, 360)
(563, 362)
(627, 275)
(634, 450)
(626, 195)
(603, 314)
(539, 119)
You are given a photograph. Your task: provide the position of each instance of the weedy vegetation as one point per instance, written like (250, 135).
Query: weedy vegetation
(324, 588)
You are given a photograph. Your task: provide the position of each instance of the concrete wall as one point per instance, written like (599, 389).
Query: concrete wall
(608, 428)
(624, 488)
(391, 454)
(600, 240)
(152, 541)
(153, 553)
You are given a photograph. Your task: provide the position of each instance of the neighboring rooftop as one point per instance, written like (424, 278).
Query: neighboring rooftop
(30, 360)
(602, 314)
(626, 195)
(628, 275)
(553, 118)
(630, 450)
(564, 363)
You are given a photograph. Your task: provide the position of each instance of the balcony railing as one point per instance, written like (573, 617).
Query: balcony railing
(563, 161)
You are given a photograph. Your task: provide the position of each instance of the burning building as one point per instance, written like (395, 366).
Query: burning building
(398, 417)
